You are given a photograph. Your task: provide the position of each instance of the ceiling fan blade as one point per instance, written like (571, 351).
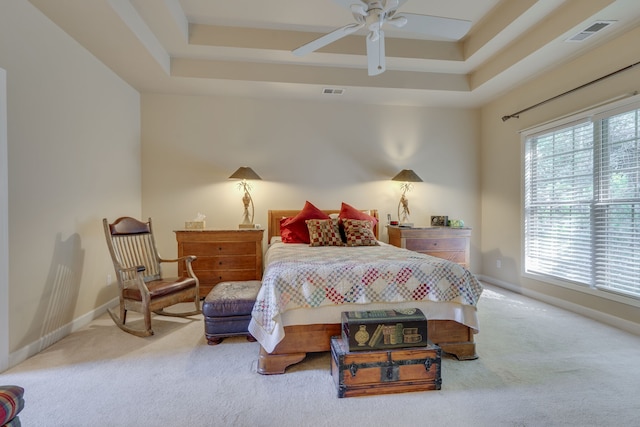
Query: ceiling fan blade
(375, 53)
(391, 5)
(327, 39)
(432, 26)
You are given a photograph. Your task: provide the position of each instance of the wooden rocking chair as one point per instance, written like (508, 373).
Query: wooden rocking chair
(141, 286)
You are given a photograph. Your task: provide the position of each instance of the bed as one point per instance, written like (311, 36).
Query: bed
(295, 315)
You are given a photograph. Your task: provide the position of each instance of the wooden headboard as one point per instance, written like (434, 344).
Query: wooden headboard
(274, 217)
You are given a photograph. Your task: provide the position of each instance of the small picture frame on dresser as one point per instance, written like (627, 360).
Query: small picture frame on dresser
(439, 221)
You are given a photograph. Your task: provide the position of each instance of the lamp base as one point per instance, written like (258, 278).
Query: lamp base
(406, 224)
(246, 226)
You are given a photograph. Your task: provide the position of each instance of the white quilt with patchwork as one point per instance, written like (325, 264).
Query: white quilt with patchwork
(301, 277)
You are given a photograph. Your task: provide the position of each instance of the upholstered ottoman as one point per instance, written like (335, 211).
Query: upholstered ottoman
(227, 310)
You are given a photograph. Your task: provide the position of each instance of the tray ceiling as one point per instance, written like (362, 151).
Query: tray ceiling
(243, 47)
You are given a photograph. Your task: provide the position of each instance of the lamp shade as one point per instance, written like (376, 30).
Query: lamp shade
(244, 172)
(407, 175)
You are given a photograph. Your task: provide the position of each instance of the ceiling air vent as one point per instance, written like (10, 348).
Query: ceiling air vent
(590, 31)
(332, 91)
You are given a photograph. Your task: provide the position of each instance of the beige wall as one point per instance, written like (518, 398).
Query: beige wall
(324, 152)
(82, 145)
(501, 164)
(74, 157)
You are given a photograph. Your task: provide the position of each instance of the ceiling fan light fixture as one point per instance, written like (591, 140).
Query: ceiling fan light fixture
(358, 9)
(392, 5)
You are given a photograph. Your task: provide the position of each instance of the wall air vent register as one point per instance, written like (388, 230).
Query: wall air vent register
(332, 91)
(590, 31)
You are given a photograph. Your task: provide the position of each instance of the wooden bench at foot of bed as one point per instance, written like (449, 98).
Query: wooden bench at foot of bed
(454, 338)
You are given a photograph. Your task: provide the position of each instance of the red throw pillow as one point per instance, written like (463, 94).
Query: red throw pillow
(286, 233)
(349, 212)
(295, 230)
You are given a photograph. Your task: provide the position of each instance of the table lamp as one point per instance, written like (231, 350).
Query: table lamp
(406, 176)
(245, 173)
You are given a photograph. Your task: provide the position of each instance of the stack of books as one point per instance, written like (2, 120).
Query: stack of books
(384, 329)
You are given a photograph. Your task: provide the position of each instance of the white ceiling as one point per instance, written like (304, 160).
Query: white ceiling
(243, 47)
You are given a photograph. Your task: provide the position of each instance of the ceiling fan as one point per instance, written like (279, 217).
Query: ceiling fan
(374, 14)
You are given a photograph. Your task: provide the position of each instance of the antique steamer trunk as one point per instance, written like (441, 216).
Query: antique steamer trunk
(382, 329)
(363, 373)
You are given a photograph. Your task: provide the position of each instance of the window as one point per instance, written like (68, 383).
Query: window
(582, 201)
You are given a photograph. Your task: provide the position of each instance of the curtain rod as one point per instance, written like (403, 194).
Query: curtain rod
(582, 110)
(517, 113)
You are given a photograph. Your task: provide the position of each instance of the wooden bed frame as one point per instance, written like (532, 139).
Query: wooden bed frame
(453, 337)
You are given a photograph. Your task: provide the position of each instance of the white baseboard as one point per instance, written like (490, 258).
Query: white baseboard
(34, 348)
(600, 316)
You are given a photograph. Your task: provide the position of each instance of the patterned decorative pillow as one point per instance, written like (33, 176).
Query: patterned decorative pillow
(359, 232)
(349, 212)
(11, 402)
(324, 232)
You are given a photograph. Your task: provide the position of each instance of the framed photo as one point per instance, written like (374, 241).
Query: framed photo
(439, 221)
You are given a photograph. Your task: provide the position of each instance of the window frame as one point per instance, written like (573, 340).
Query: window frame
(592, 114)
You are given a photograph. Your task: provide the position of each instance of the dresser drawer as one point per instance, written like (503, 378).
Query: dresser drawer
(219, 248)
(451, 244)
(228, 262)
(209, 278)
(457, 257)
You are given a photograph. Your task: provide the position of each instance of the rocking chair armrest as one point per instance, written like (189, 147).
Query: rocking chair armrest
(136, 268)
(188, 258)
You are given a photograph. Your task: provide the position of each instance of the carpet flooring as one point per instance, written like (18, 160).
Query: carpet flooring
(539, 366)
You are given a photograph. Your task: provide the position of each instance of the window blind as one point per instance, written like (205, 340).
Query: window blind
(617, 207)
(582, 202)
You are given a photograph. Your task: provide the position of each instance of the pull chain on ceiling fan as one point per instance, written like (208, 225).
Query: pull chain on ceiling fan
(374, 14)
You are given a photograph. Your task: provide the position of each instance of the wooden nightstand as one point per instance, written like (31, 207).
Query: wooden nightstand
(442, 242)
(223, 255)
